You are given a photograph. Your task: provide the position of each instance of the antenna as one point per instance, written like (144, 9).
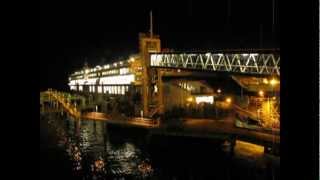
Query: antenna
(151, 24)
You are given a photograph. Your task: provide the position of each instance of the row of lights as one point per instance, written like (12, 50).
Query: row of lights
(107, 66)
(272, 82)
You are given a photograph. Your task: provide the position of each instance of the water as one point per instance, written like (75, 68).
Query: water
(95, 150)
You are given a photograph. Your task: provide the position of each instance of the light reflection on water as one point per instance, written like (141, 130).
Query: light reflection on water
(95, 154)
(92, 154)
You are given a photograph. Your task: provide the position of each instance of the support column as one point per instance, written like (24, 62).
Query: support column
(160, 92)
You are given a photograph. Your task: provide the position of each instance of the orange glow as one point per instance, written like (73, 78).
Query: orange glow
(228, 100)
(265, 81)
(261, 93)
(273, 82)
(190, 99)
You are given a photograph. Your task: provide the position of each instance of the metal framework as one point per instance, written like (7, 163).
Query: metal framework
(234, 62)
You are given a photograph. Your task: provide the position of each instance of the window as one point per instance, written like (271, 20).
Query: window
(124, 70)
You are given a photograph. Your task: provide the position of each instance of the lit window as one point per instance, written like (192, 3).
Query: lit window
(124, 70)
(99, 89)
(125, 79)
(204, 99)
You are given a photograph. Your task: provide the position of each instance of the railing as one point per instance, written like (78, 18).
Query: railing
(69, 107)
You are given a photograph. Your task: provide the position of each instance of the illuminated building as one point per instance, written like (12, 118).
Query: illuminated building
(114, 78)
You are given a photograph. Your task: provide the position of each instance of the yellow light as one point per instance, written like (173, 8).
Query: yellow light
(265, 81)
(190, 99)
(261, 93)
(273, 82)
(228, 100)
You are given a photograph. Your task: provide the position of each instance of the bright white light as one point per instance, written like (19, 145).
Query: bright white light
(73, 87)
(155, 88)
(106, 66)
(244, 54)
(131, 59)
(121, 62)
(204, 99)
(99, 89)
(115, 64)
(91, 81)
(123, 79)
(220, 54)
(124, 70)
(208, 54)
(86, 71)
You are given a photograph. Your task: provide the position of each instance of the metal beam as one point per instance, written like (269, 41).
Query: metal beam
(265, 63)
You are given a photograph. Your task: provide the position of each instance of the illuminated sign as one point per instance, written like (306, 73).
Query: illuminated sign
(204, 99)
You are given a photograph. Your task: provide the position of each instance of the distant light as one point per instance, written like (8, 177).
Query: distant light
(219, 91)
(179, 70)
(106, 66)
(261, 93)
(190, 99)
(155, 88)
(273, 82)
(208, 54)
(245, 54)
(131, 59)
(265, 81)
(228, 100)
(114, 64)
(121, 62)
(220, 54)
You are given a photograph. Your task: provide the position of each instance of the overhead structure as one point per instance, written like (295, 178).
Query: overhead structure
(263, 63)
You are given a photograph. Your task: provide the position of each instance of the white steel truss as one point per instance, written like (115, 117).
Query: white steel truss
(248, 63)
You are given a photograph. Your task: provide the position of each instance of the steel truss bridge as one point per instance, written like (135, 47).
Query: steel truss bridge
(254, 62)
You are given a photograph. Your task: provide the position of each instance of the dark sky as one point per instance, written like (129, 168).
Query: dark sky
(100, 31)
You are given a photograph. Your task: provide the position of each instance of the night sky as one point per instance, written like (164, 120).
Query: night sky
(72, 32)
